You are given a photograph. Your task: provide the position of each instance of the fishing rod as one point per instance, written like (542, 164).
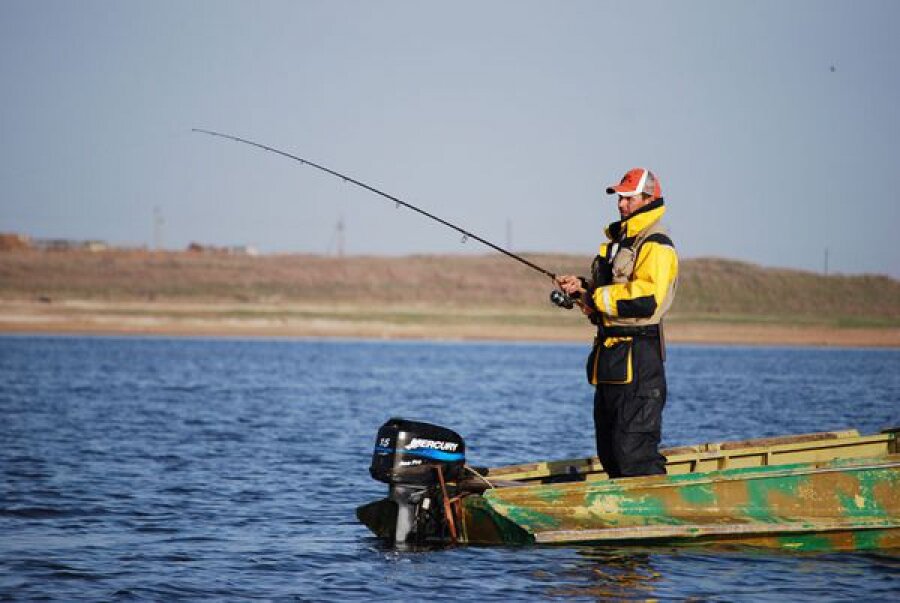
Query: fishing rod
(465, 233)
(557, 297)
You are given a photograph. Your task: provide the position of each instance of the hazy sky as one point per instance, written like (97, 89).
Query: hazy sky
(774, 127)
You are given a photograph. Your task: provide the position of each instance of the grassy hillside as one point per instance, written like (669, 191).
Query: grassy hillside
(735, 290)
(709, 289)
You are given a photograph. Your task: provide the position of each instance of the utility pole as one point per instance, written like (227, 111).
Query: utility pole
(339, 233)
(158, 223)
(509, 234)
(826, 261)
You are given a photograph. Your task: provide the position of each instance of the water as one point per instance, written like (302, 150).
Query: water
(161, 469)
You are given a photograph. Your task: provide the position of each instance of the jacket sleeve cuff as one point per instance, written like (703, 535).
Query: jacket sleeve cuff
(601, 299)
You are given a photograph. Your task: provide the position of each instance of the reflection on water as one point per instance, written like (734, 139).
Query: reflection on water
(722, 575)
(610, 575)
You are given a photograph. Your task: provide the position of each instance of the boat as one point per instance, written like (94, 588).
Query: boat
(828, 491)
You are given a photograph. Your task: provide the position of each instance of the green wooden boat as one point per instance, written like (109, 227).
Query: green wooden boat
(823, 491)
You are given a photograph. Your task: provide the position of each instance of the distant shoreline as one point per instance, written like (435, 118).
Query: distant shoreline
(435, 297)
(305, 321)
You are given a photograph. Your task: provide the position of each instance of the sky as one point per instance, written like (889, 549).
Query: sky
(774, 127)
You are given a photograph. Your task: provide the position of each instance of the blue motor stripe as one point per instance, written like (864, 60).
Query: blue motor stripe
(438, 455)
(428, 453)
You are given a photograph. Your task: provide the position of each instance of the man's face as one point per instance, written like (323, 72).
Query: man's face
(629, 205)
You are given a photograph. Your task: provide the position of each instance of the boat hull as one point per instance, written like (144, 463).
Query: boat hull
(837, 505)
(835, 491)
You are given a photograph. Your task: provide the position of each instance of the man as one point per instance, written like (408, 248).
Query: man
(631, 287)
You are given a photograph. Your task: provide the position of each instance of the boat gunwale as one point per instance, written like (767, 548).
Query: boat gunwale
(708, 477)
(591, 465)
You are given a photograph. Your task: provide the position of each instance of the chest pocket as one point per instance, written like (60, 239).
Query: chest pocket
(623, 265)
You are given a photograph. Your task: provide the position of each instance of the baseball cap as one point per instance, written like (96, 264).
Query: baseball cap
(635, 182)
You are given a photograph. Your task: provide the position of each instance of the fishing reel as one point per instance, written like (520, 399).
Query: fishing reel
(562, 299)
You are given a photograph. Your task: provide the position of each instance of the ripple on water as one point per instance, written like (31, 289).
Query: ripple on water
(159, 469)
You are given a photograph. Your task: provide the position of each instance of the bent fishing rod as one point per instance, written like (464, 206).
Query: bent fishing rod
(465, 233)
(557, 296)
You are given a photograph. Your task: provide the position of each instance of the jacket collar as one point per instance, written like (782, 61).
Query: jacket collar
(637, 221)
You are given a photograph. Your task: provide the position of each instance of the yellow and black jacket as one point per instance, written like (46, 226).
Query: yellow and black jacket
(633, 285)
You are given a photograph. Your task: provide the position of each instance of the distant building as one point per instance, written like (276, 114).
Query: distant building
(95, 245)
(70, 245)
(227, 250)
(243, 250)
(53, 244)
(10, 241)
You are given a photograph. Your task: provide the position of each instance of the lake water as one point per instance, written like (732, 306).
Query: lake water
(160, 469)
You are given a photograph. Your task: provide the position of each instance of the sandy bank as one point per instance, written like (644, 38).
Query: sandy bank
(260, 320)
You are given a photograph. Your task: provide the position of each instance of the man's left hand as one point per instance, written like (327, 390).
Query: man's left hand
(570, 284)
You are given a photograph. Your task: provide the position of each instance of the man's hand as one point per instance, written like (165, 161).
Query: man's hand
(574, 288)
(570, 284)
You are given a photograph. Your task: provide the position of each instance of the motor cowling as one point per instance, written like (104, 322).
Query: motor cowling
(408, 452)
(408, 456)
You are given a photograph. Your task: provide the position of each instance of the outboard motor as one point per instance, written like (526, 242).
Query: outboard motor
(408, 456)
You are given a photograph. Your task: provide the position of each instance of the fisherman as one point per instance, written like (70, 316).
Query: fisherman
(631, 287)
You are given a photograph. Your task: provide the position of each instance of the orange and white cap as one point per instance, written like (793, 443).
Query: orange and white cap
(635, 182)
